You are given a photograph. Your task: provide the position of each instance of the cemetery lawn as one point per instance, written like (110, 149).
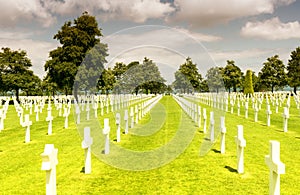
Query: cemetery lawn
(189, 173)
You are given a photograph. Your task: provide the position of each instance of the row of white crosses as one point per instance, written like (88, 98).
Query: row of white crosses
(257, 100)
(272, 160)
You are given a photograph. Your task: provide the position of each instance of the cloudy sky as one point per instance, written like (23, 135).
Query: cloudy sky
(167, 31)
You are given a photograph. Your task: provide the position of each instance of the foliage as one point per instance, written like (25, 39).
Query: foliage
(187, 77)
(91, 69)
(293, 69)
(214, 79)
(273, 73)
(76, 40)
(15, 73)
(248, 86)
(232, 76)
(106, 81)
(137, 77)
(255, 82)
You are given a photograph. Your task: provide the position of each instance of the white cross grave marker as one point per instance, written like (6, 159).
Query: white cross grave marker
(106, 131)
(2, 117)
(36, 110)
(49, 162)
(77, 110)
(27, 124)
(285, 116)
(212, 127)
(223, 132)
(199, 116)
(66, 115)
(132, 117)
(126, 121)
(86, 145)
(204, 120)
(276, 167)
(118, 121)
(268, 112)
(255, 112)
(49, 118)
(246, 109)
(241, 144)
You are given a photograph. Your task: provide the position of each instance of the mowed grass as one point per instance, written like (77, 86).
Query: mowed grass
(190, 173)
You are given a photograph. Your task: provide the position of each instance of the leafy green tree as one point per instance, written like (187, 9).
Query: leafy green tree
(182, 83)
(119, 69)
(138, 77)
(232, 76)
(214, 79)
(90, 69)
(273, 73)
(255, 82)
(106, 81)
(76, 40)
(248, 86)
(293, 69)
(186, 76)
(15, 73)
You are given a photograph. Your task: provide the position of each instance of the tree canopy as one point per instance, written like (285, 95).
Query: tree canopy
(293, 69)
(137, 77)
(273, 73)
(248, 85)
(214, 79)
(15, 72)
(76, 39)
(187, 77)
(232, 76)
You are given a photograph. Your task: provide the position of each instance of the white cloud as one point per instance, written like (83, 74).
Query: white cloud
(272, 29)
(206, 12)
(24, 12)
(134, 10)
(199, 36)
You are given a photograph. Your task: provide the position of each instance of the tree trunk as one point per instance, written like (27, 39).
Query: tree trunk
(295, 90)
(17, 94)
(272, 88)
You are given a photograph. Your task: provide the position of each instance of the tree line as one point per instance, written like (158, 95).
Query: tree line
(78, 65)
(274, 75)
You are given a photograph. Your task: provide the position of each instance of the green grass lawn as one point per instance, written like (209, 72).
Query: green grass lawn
(189, 173)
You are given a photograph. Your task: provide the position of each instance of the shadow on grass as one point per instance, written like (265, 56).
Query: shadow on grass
(82, 170)
(229, 168)
(216, 151)
(295, 137)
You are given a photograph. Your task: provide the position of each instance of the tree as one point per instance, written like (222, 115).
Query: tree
(145, 76)
(182, 83)
(76, 40)
(15, 73)
(273, 73)
(293, 69)
(119, 69)
(90, 69)
(232, 76)
(248, 86)
(106, 81)
(255, 82)
(214, 79)
(187, 75)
